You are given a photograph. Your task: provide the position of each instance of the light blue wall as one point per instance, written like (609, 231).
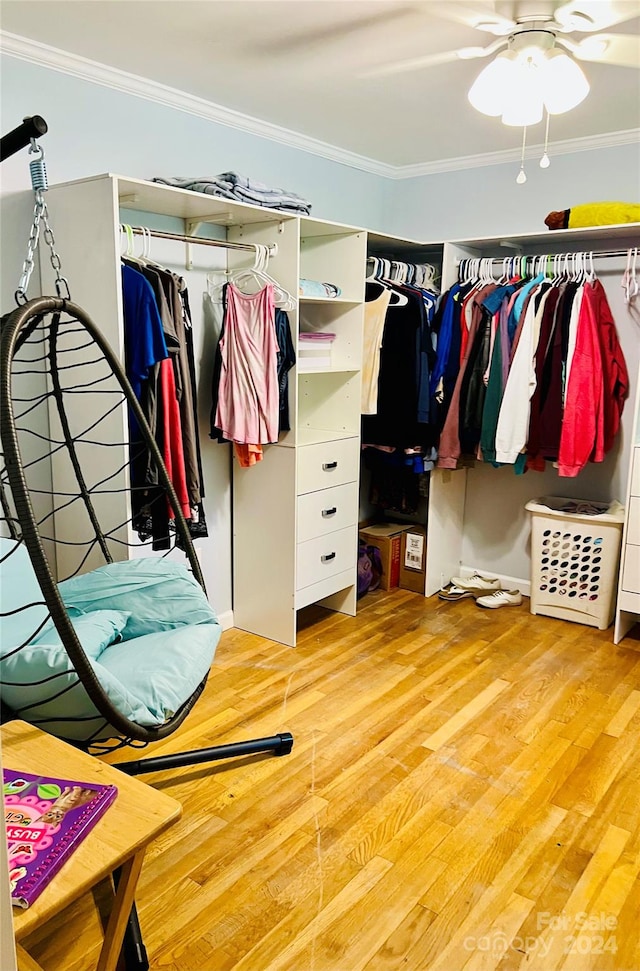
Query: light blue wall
(486, 201)
(94, 129)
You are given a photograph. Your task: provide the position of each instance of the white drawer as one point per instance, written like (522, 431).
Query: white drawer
(327, 511)
(328, 464)
(633, 521)
(325, 556)
(631, 569)
(635, 473)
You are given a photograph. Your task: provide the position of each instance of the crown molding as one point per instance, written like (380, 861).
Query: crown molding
(566, 147)
(86, 69)
(77, 66)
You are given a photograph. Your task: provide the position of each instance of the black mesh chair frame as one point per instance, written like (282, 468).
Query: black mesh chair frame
(15, 330)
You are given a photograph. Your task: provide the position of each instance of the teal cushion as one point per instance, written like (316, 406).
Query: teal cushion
(163, 669)
(21, 602)
(158, 594)
(96, 630)
(172, 634)
(40, 671)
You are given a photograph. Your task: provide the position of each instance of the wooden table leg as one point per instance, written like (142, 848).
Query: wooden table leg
(25, 961)
(122, 903)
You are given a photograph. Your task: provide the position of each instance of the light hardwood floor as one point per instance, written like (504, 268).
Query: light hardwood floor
(463, 793)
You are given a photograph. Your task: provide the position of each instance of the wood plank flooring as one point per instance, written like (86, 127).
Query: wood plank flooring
(463, 795)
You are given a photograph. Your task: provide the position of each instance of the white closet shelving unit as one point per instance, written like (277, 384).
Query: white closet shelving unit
(475, 515)
(295, 514)
(443, 511)
(290, 548)
(492, 534)
(628, 604)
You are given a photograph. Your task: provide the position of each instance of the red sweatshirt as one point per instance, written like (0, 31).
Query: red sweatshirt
(616, 377)
(597, 387)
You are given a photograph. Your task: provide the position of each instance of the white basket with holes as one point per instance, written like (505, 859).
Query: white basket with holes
(575, 549)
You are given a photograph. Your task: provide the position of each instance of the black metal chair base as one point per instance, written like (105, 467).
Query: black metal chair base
(278, 744)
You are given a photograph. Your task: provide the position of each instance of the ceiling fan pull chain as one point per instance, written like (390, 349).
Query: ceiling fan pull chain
(545, 161)
(522, 176)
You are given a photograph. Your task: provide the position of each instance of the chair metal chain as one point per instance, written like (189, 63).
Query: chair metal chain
(40, 214)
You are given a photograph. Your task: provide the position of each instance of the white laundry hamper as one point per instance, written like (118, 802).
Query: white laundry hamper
(574, 559)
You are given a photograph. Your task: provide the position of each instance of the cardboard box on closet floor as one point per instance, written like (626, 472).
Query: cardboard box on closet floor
(402, 551)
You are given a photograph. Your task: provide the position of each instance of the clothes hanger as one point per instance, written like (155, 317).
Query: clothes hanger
(243, 277)
(373, 275)
(629, 282)
(128, 231)
(382, 269)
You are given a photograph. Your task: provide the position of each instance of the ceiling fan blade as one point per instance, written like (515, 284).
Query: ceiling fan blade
(622, 50)
(595, 15)
(413, 64)
(481, 15)
(431, 60)
(343, 30)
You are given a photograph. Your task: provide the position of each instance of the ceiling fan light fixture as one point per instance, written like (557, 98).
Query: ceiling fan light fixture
(564, 85)
(489, 90)
(523, 103)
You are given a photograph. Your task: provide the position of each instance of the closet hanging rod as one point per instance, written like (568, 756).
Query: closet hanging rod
(602, 254)
(182, 238)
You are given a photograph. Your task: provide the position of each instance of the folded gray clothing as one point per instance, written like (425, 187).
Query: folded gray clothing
(270, 198)
(260, 188)
(212, 187)
(223, 188)
(280, 204)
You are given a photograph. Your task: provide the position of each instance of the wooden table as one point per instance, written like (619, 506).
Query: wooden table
(119, 838)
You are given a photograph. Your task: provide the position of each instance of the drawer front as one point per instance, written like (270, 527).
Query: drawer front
(328, 464)
(631, 570)
(325, 556)
(633, 522)
(635, 473)
(327, 511)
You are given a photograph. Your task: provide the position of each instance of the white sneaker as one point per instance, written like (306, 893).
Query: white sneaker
(501, 598)
(476, 582)
(455, 593)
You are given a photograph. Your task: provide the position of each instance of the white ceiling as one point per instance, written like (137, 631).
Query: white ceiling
(300, 64)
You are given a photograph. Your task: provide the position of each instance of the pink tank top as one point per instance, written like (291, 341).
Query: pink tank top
(248, 408)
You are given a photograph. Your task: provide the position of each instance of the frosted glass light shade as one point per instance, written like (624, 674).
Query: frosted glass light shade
(523, 94)
(563, 82)
(520, 85)
(488, 91)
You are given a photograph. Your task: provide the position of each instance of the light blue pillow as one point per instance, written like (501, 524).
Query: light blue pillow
(158, 594)
(95, 629)
(18, 587)
(163, 669)
(35, 673)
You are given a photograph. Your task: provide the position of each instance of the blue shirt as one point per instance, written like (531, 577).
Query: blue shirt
(143, 334)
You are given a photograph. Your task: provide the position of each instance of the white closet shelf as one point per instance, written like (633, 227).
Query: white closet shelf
(552, 240)
(330, 300)
(186, 204)
(327, 370)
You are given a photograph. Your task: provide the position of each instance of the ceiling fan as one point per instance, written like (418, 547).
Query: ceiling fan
(543, 23)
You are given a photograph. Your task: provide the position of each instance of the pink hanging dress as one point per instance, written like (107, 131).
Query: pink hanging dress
(248, 399)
